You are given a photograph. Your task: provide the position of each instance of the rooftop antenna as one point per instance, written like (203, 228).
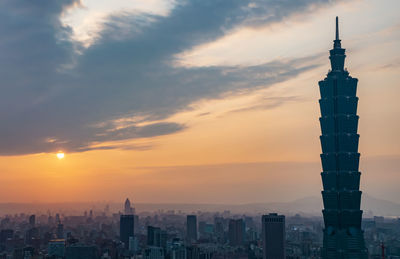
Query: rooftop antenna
(337, 44)
(337, 28)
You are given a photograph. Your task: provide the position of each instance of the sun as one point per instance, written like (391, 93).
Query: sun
(60, 155)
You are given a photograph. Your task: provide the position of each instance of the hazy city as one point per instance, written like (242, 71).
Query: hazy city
(199, 129)
(159, 232)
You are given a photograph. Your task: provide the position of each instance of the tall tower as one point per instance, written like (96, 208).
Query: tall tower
(128, 210)
(273, 236)
(191, 228)
(126, 228)
(237, 232)
(343, 237)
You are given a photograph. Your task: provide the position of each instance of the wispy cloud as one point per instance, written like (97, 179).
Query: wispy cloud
(267, 103)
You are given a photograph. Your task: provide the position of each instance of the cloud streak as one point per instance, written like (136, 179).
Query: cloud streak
(53, 88)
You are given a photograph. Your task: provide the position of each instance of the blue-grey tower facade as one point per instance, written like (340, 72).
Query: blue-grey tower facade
(343, 237)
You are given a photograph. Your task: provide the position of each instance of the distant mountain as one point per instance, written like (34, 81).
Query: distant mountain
(379, 207)
(308, 206)
(313, 206)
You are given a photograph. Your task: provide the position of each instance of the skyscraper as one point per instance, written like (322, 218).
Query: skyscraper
(191, 228)
(128, 210)
(236, 232)
(126, 229)
(273, 236)
(153, 236)
(60, 230)
(219, 229)
(343, 237)
(32, 220)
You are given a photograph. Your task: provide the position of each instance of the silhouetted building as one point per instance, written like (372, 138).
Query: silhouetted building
(32, 220)
(80, 251)
(128, 210)
(219, 229)
(343, 237)
(133, 244)
(273, 236)
(136, 225)
(56, 248)
(6, 234)
(191, 228)
(178, 251)
(236, 232)
(126, 229)
(31, 235)
(195, 252)
(153, 252)
(22, 253)
(154, 236)
(60, 231)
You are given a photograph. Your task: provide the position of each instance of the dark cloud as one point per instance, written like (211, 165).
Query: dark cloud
(53, 91)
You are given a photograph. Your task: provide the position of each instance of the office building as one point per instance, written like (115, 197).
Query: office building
(80, 251)
(128, 210)
(273, 236)
(126, 229)
(56, 248)
(191, 228)
(236, 232)
(154, 236)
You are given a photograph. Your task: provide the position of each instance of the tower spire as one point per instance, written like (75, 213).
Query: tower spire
(337, 28)
(336, 42)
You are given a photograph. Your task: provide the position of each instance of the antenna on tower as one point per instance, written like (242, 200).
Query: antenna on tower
(337, 44)
(337, 28)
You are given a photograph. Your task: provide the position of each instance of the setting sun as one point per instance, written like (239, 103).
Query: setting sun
(60, 155)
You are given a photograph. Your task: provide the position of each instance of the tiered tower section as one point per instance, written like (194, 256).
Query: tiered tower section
(343, 237)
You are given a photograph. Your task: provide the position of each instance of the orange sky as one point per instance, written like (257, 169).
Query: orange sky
(258, 145)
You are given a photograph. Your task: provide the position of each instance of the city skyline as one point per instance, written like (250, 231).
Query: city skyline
(188, 129)
(222, 108)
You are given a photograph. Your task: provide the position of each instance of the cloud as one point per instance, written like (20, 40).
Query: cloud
(267, 103)
(393, 65)
(53, 88)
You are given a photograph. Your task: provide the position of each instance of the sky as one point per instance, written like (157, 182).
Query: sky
(188, 101)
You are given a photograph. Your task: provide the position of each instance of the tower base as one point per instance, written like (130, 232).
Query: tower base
(344, 244)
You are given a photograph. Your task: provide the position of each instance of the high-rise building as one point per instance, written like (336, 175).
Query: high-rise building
(196, 252)
(32, 220)
(154, 236)
(178, 250)
(128, 210)
(56, 248)
(80, 251)
(191, 228)
(153, 252)
(273, 236)
(126, 229)
(136, 226)
(219, 229)
(343, 237)
(236, 232)
(6, 234)
(133, 244)
(32, 235)
(60, 231)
